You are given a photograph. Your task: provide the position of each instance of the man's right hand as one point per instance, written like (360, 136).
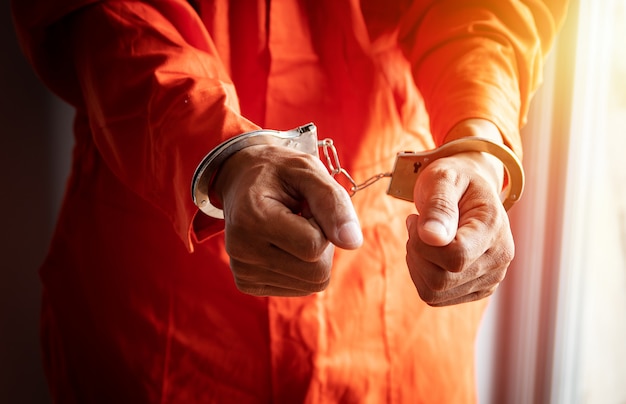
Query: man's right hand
(283, 213)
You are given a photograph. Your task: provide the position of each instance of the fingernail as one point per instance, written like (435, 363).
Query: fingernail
(436, 227)
(350, 234)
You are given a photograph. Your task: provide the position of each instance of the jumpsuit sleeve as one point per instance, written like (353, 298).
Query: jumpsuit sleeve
(479, 59)
(156, 93)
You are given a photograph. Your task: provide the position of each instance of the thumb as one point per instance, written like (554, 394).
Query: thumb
(334, 213)
(438, 209)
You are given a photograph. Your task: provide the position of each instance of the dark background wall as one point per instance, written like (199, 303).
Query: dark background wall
(34, 148)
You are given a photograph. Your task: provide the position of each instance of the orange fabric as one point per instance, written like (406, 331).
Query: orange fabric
(139, 303)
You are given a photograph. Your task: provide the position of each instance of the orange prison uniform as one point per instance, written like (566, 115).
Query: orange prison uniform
(139, 304)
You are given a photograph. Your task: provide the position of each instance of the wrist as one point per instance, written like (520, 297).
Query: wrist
(485, 129)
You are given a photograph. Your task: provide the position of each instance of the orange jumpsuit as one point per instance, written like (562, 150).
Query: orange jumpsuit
(139, 304)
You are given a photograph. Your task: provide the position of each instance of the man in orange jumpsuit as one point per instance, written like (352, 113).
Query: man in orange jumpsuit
(146, 299)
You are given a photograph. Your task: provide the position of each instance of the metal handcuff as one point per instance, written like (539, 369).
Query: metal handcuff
(407, 167)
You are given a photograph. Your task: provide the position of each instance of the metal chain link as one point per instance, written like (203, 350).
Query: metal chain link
(334, 168)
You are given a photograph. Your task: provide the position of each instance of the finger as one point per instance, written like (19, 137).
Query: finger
(472, 297)
(437, 194)
(262, 219)
(330, 205)
(441, 269)
(267, 257)
(483, 237)
(270, 290)
(438, 290)
(475, 290)
(287, 274)
(470, 244)
(295, 234)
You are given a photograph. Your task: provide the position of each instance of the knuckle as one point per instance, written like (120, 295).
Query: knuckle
(311, 249)
(440, 173)
(238, 238)
(320, 286)
(231, 249)
(431, 284)
(439, 181)
(508, 253)
(234, 249)
(299, 173)
(427, 295)
(329, 195)
(502, 257)
(244, 275)
(300, 160)
(472, 297)
(500, 275)
(459, 259)
(335, 193)
(439, 282)
(249, 288)
(297, 163)
(319, 275)
(482, 294)
(440, 204)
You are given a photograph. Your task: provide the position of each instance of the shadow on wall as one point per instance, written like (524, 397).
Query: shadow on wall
(32, 183)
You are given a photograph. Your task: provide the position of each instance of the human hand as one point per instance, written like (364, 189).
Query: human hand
(460, 243)
(283, 213)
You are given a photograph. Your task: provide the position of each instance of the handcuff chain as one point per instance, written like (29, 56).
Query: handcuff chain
(335, 169)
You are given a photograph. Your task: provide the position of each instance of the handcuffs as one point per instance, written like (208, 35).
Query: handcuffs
(407, 167)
